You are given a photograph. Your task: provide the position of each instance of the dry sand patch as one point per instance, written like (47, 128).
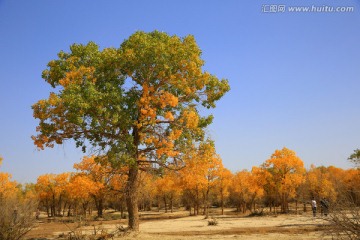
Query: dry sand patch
(174, 226)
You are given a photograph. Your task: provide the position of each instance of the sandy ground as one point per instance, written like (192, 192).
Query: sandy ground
(168, 226)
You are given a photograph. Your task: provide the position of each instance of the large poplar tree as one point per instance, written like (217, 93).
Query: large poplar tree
(138, 104)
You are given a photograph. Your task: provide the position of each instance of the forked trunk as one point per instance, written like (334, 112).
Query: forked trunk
(132, 199)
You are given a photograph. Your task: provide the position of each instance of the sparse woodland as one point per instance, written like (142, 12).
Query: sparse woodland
(139, 109)
(272, 187)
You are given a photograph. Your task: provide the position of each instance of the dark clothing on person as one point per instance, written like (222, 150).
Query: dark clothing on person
(324, 206)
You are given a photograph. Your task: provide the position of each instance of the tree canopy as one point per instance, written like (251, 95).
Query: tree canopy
(138, 102)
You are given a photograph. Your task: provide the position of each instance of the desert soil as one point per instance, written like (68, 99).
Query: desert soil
(170, 226)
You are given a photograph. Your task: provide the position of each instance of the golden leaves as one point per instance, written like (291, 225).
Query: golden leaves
(163, 146)
(40, 141)
(150, 101)
(169, 116)
(54, 99)
(190, 118)
(168, 185)
(286, 172)
(175, 134)
(78, 76)
(167, 99)
(8, 188)
(202, 167)
(81, 187)
(52, 186)
(97, 168)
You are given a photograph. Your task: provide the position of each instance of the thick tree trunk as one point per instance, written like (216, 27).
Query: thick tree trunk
(132, 199)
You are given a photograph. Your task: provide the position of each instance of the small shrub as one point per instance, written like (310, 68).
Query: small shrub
(257, 213)
(212, 222)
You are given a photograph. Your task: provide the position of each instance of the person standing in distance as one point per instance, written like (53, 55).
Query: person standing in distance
(313, 206)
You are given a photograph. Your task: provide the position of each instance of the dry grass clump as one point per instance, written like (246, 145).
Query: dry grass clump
(345, 218)
(16, 217)
(212, 222)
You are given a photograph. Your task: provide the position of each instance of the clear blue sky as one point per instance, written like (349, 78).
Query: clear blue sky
(295, 77)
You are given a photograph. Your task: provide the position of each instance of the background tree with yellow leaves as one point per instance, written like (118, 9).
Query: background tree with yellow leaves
(138, 104)
(319, 184)
(80, 191)
(51, 189)
(222, 186)
(8, 188)
(147, 190)
(100, 172)
(199, 177)
(240, 190)
(168, 188)
(285, 173)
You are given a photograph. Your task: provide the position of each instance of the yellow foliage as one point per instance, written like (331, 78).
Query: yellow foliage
(202, 168)
(175, 134)
(319, 183)
(169, 115)
(7, 187)
(52, 186)
(190, 118)
(224, 181)
(81, 187)
(168, 185)
(285, 174)
(77, 76)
